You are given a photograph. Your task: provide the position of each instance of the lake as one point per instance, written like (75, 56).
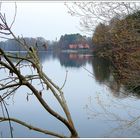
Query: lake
(100, 107)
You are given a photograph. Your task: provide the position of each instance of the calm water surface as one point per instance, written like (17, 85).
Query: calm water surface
(99, 106)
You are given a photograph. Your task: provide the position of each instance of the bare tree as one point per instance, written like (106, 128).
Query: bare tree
(13, 64)
(93, 13)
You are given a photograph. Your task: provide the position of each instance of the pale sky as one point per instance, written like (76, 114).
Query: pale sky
(41, 19)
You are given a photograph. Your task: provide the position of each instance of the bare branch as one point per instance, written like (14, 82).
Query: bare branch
(8, 94)
(10, 126)
(14, 16)
(9, 86)
(31, 127)
(65, 80)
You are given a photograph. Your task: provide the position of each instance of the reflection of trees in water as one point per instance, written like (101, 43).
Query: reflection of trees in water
(46, 56)
(104, 73)
(73, 59)
(42, 55)
(121, 118)
(101, 69)
(66, 59)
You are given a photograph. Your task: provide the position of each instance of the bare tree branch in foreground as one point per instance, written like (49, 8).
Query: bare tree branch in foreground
(92, 13)
(13, 64)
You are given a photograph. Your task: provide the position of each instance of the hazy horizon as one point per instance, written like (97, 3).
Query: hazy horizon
(47, 19)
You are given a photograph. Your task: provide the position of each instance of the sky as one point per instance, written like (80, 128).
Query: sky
(48, 19)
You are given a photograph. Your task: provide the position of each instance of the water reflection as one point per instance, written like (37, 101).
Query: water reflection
(102, 69)
(74, 60)
(104, 73)
(117, 113)
(120, 124)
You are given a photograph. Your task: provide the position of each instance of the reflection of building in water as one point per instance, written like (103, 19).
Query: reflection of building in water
(66, 59)
(79, 46)
(74, 59)
(74, 56)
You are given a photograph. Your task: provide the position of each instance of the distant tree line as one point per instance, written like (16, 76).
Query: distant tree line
(42, 44)
(12, 45)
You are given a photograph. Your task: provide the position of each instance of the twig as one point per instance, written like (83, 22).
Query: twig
(14, 16)
(10, 92)
(8, 117)
(10, 86)
(65, 80)
(2, 108)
